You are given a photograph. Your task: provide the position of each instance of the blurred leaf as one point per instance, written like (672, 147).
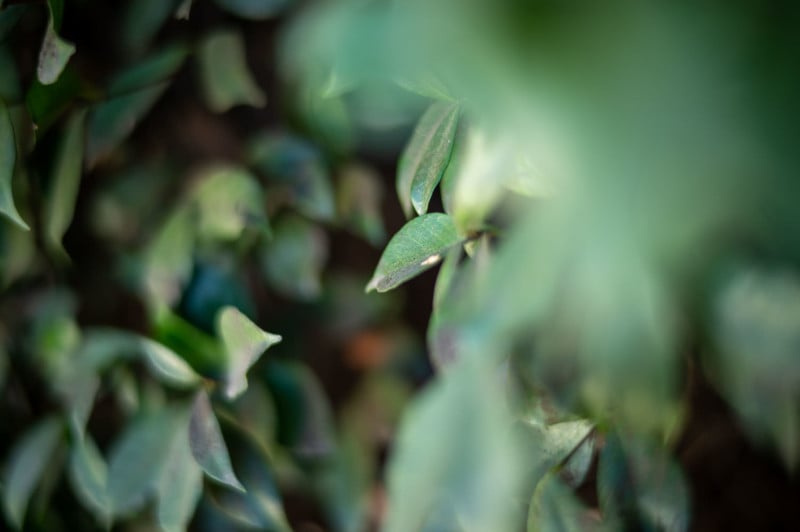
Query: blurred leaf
(55, 51)
(184, 9)
(88, 475)
(180, 486)
(27, 462)
(254, 412)
(215, 283)
(46, 103)
(137, 459)
(10, 88)
(158, 67)
(254, 9)
(577, 465)
(454, 456)
(224, 74)
(298, 166)
(141, 21)
(207, 445)
(112, 121)
(419, 245)
(345, 483)
(305, 418)
(554, 508)
(757, 328)
(8, 158)
(65, 182)
(639, 484)
(9, 15)
(259, 505)
(203, 352)
(167, 365)
(426, 156)
(359, 199)
(293, 260)
(228, 199)
(169, 256)
(244, 344)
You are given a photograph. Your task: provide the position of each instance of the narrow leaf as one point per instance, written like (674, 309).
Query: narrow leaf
(208, 447)
(65, 182)
(418, 246)
(55, 51)
(426, 156)
(88, 476)
(26, 464)
(166, 364)
(244, 344)
(180, 486)
(8, 158)
(224, 74)
(254, 9)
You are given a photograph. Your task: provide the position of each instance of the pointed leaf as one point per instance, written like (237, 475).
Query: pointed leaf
(27, 462)
(208, 447)
(65, 182)
(8, 158)
(138, 457)
(426, 156)
(418, 246)
(166, 364)
(224, 74)
(180, 486)
(55, 51)
(244, 344)
(88, 476)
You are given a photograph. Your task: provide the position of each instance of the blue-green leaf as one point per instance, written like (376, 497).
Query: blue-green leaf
(26, 464)
(55, 51)
(180, 485)
(207, 445)
(8, 158)
(294, 258)
(88, 475)
(418, 246)
(426, 156)
(254, 9)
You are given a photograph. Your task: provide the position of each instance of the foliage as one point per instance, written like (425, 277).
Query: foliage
(579, 158)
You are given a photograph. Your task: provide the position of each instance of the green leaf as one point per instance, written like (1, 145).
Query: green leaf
(359, 198)
(112, 121)
(137, 459)
(254, 9)
(55, 51)
(180, 486)
(454, 456)
(208, 446)
(10, 88)
(46, 103)
(167, 365)
(169, 257)
(26, 464)
(224, 75)
(244, 344)
(418, 246)
(426, 156)
(88, 476)
(295, 256)
(155, 69)
(299, 170)
(184, 9)
(8, 158)
(228, 200)
(65, 182)
(638, 483)
(554, 508)
(9, 16)
(141, 21)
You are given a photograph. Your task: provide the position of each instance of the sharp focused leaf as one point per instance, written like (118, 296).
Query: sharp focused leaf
(208, 447)
(418, 246)
(138, 458)
(55, 51)
(65, 182)
(254, 9)
(26, 464)
(426, 156)
(8, 158)
(294, 258)
(88, 475)
(180, 486)
(244, 344)
(225, 77)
